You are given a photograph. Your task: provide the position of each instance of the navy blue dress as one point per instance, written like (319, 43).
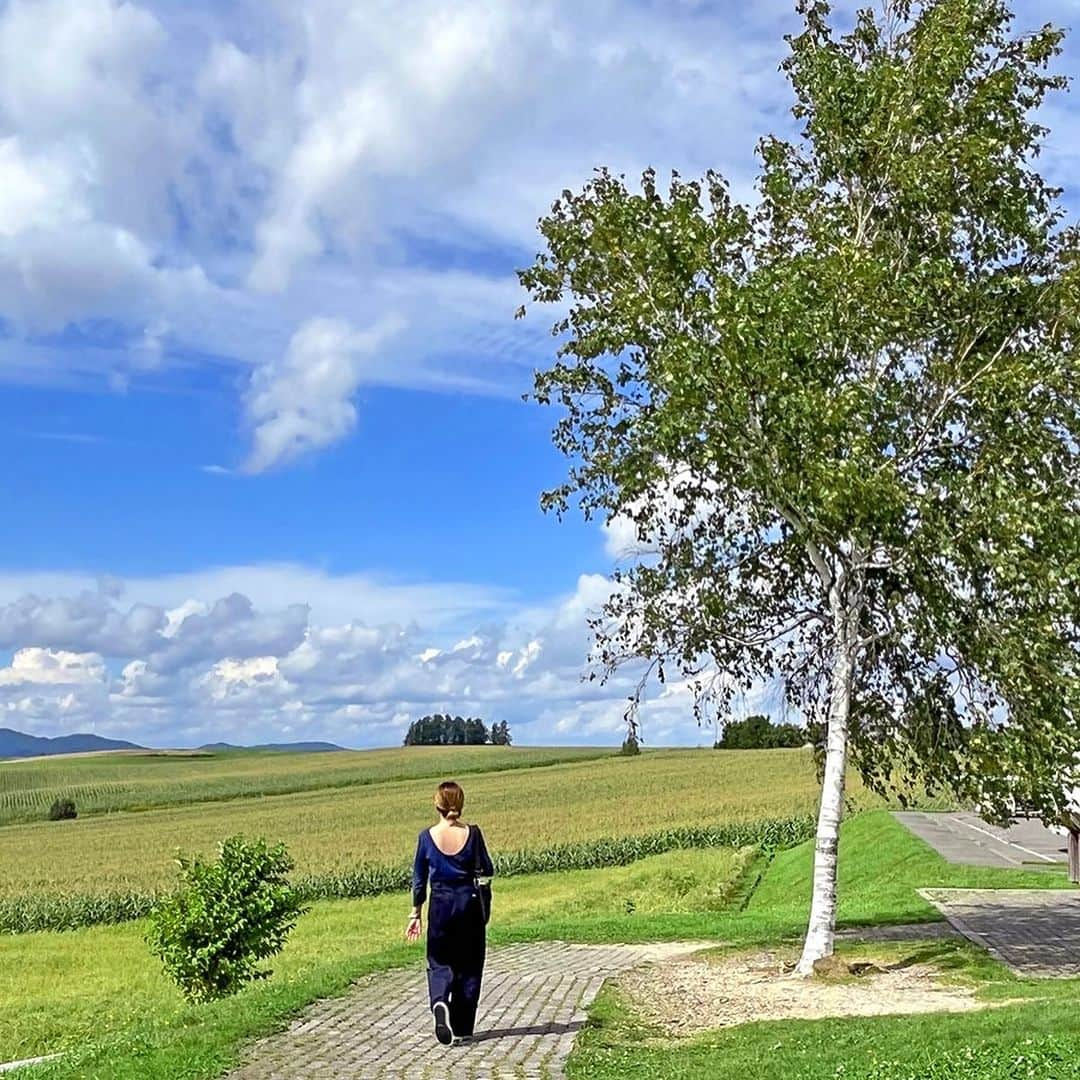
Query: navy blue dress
(456, 937)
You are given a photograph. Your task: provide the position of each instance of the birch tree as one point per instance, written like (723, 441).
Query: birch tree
(844, 419)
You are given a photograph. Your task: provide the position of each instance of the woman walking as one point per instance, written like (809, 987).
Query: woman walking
(453, 858)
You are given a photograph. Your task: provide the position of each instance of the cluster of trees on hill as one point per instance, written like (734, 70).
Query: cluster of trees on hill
(757, 733)
(439, 730)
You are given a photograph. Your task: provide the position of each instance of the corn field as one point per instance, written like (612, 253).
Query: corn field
(334, 830)
(30, 913)
(106, 783)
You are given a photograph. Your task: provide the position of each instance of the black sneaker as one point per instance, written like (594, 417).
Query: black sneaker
(443, 1031)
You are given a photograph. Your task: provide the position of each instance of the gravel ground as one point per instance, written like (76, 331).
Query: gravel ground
(693, 994)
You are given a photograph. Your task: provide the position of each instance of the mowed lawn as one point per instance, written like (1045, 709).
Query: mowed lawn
(101, 783)
(340, 828)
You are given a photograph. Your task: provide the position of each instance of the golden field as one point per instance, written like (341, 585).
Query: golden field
(528, 807)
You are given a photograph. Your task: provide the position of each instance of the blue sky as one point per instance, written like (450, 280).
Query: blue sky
(268, 471)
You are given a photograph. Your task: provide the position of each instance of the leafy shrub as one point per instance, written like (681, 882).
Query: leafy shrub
(757, 733)
(62, 810)
(227, 916)
(33, 912)
(630, 746)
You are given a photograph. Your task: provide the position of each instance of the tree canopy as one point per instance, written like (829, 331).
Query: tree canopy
(439, 730)
(758, 733)
(846, 418)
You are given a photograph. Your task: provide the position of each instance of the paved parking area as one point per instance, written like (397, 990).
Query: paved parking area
(1036, 932)
(533, 1004)
(965, 838)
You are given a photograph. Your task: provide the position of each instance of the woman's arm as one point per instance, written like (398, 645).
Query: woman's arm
(419, 876)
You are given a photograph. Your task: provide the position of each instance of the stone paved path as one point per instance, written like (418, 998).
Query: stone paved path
(533, 1004)
(1036, 932)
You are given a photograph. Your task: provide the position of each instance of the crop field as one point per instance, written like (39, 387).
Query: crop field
(376, 823)
(103, 783)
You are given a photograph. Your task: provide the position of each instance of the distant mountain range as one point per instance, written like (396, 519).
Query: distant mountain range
(16, 744)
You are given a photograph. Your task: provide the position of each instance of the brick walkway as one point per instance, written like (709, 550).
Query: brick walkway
(532, 1006)
(1035, 932)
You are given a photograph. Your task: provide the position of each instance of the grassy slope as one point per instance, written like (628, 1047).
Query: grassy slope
(340, 828)
(59, 990)
(882, 865)
(106, 783)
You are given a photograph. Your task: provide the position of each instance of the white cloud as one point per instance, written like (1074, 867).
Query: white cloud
(88, 620)
(52, 667)
(52, 690)
(304, 400)
(90, 162)
(235, 678)
(174, 617)
(233, 628)
(389, 92)
(200, 670)
(160, 167)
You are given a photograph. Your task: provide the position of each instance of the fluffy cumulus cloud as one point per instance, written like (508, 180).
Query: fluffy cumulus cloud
(88, 620)
(52, 667)
(204, 669)
(52, 689)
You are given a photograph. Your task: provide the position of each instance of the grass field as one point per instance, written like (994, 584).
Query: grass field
(96, 991)
(377, 822)
(103, 783)
(56, 991)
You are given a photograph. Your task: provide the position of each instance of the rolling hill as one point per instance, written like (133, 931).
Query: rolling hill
(17, 744)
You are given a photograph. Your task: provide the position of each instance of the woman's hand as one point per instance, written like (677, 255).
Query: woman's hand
(412, 931)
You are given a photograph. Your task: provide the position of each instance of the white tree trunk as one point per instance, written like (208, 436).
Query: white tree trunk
(822, 929)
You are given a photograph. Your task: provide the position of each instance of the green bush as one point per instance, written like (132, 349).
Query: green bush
(630, 746)
(63, 810)
(228, 915)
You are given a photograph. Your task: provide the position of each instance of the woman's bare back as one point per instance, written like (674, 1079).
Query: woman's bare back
(450, 837)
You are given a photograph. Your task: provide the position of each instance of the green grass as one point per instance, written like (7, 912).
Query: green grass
(106, 783)
(338, 830)
(97, 994)
(881, 867)
(969, 1046)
